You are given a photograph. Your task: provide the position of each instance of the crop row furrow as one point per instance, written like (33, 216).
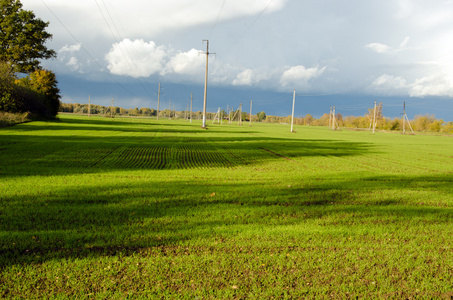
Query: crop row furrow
(103, 155)
(162, 159)
(217, 159)
(129, 160)
(187, 155)
(154, 157)
(137, 160)
(153, 160)
(143, 158)
(131, 157)
(206, 162)
(236, 157)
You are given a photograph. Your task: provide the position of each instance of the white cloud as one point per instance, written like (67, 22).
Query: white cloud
(136, 58)
(432, 86)
(386, 81)
(404, 43)
(244, 78)
(149, 18)
(70, 49)
(142, 59)
(382, 48)
(378, 47)
(421, 87)
(187, 63)
(73, 63)
(161, 16)
(300, 75)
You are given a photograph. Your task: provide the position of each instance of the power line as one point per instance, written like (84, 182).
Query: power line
(256, 19)
(119, 44)
(217, 19)
(87, 52)
(257, 16)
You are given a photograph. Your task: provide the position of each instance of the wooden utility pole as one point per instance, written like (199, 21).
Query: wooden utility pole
(228, 112)
(169, 108)
(240, 115)
(89, 105)
(191, 99)
(158, 102)
(218, 114)
(374, 117)
(330, 118)
(404, 118)
(250, 121)
(111, 110)
(334, 121)
(292, 115)
(205, 84)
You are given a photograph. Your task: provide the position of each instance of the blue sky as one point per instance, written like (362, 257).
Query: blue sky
(343, 53)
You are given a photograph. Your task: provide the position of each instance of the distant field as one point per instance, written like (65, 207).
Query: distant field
(117, 208)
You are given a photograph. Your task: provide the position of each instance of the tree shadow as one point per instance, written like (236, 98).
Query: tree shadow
(72, 223)
(27, 154)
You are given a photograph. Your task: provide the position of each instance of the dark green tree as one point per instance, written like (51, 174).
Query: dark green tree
(44, 82)
(7, 78)
(245, 116)
(261, 116)
(22, 37)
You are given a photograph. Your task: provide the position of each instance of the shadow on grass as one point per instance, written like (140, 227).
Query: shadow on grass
(66, 153)
(122, 219)
(123, 125)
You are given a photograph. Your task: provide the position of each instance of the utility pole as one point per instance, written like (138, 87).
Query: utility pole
(89, 105)
(191, 99)
(217, 116)
(333, 118)
(292, 115)
(205, 84)
(240, 115)
(169, 108)
(374, 117)
(330, 118)
(250, 121)
(404, 118)
(228, 111)
(111, 110)
(158, 102)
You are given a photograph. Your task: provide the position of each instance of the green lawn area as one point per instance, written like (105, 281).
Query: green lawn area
(117, 208)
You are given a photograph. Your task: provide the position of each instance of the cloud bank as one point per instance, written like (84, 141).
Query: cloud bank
(392, 47)
(143, 59)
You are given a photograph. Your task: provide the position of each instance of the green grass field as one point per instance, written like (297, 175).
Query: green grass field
(129, 208)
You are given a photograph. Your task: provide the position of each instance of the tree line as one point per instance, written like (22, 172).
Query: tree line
(25, 87)
(109, 111)
(421, 123)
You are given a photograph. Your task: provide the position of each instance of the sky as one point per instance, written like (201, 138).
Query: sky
(345, 53)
